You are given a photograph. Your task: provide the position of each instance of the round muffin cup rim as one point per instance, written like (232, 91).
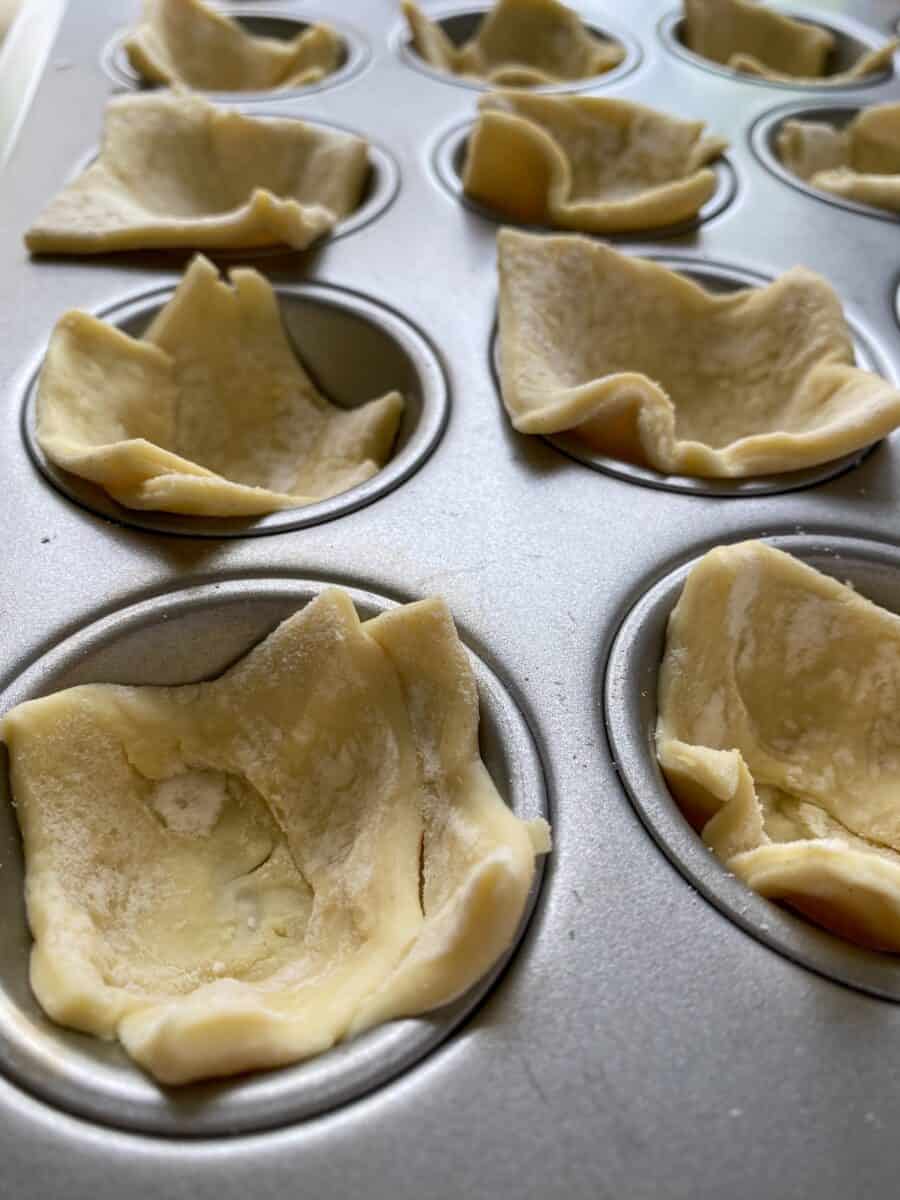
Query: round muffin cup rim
(835, 23)
(740, 488)
(630, 743)
(401, 43)
(403, 1043)
(403, 463)
(766, 127)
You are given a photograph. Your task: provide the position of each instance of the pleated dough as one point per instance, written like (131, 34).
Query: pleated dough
(578, 162)
(751, 38)
(186, 42)
(778, 733)
(209, 413)
(644, 365)
(175, 170)
(237, 874)
(860, 161)
(520, 43)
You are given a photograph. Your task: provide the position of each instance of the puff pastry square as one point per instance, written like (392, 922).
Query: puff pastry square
(186, 42)
(644, 365)
(175, 170)
(860, 161)
(209, 413)
(778, 730)
(580, 162)
(749, 37)
(237, 874)
(520, 43)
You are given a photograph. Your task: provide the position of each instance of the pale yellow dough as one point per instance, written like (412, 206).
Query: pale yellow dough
(778, 733)
(860, 161)
(579, 162)
(751, 38)
(209, 413)
(237, 874)
(186, 42)
(644, 365)
(175, 170)
(520, 43)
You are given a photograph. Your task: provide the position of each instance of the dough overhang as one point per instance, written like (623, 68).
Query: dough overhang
(176, 170)
(779, 735)
(520, 43)
(588, 163)
(644, 365)
(748, 37)
(186, 42)
(236, 874)
(209, 413)
(860, 161)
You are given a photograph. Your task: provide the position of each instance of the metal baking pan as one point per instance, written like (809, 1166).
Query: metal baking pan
(658, 1031)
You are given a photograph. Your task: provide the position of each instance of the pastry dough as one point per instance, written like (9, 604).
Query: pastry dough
(578, 162)
(858, 162)
(520, 43)
(753, 39)
(644, 365)
(236, 874)
(175, 170)
(184, 41)
(210, 413)
(778, 731)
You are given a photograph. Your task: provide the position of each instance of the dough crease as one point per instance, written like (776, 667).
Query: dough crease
(209, 413)
(187, 42)
(520, 43)
(778, 735)
(644, 365)
(756, 40)
(177, 171)
(237, 874)
(591, 164)
(860, 161)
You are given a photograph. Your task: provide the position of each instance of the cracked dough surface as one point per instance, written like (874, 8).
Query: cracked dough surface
(175, 170)
(580, 162)
(209, 413)
(644, 365)
(778, 733)
(186, 42)
(751, 38)
(236, 874)
(520, 43)
(860, 161)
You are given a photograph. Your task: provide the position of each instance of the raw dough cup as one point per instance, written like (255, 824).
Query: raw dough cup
(628, 679)
(172, 639)
(754, 405)
(587, 163)
(177, 171)
(857, 160)
(516, 43)
(186, 42)
(386, 352)
(852, 42)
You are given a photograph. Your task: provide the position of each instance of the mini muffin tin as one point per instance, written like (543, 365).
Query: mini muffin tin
(659, 1030)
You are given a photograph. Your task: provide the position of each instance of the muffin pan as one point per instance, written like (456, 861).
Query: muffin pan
(647, 1036)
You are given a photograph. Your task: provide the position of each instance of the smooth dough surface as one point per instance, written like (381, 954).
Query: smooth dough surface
(237, 874)
(580, 162)
(209, 413)
(751, 38)
(186, 42)
(175, 170)
(520, 43)
(644, 365)
(778, 733)
(860, 161)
